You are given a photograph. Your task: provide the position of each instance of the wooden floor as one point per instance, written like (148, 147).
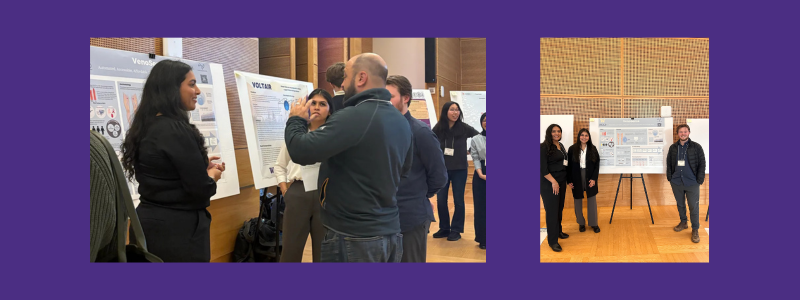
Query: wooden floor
(629, 238)
(442, 250)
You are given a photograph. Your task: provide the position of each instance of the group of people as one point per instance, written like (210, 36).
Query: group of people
(578, 168)
(378, 167)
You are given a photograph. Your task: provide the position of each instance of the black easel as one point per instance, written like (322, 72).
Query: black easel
(645, 195)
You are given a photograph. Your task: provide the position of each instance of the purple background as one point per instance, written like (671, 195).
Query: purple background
(45, 212)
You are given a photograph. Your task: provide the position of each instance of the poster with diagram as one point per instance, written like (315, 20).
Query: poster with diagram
(265, 103)
(631, 145)
(117, 79)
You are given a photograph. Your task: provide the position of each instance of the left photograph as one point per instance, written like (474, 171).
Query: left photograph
(287, 149)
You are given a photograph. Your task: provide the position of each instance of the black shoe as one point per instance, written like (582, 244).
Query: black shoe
(582, 228)
(556, 247)
(454, 236)
(563, 235)
(441, 233)
(596, 229)
(482, 246)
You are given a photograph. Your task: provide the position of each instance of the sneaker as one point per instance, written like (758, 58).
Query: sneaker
(681, 226)
(454, 236)
(441, 234)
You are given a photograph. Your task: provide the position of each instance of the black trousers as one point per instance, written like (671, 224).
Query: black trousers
(479, 203)
(176, 235)
(553, 208)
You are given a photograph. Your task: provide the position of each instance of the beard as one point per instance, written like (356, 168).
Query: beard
(350, 91)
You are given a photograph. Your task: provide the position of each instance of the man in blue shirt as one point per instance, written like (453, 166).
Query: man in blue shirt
(686, 171)
(427, 176)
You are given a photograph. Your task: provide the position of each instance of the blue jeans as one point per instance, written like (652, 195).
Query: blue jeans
(340, 247)
(459, 180)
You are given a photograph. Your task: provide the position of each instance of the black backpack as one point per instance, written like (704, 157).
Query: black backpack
(259, 239)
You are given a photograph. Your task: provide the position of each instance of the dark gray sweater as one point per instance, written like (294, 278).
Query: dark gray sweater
(103, 196)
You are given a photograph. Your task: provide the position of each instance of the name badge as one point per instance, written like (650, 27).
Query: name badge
(681, 163)
(448, 151)
(565, 162)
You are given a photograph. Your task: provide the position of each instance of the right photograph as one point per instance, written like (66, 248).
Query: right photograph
(624, 150)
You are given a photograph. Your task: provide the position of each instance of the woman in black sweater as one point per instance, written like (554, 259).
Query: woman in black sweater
(453, 133)
(167, 156)
(584, 167)
(553, 183)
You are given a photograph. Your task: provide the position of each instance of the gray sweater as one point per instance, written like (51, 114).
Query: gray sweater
(103, 196)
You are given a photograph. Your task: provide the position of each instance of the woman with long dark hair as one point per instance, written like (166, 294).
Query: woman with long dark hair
(301, 216)
(453, 133)
(167, 156)
(553, 190)
(584, 167)
(478, 153)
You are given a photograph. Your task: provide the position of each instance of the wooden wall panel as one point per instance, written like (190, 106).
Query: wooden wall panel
(227, 217)
(666, 67)
(448, 60)
(448, 86)
(682, 109)
(274, 47)
(276, 66)
(140, 45)
(473, 62)
(580, 66)
(330, 51)
(276, 57)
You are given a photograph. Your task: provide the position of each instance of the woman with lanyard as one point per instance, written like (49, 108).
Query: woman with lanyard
(478, 153)
(584, 164)
(302, 213)
(168, 157)
(553, 183)
(453, 133)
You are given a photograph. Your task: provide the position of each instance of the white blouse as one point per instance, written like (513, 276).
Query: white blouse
(583, 158)
(285, 169)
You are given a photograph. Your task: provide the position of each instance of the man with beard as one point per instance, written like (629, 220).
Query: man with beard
(364, 150)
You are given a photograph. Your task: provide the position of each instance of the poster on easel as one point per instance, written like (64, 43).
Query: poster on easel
(421, 107)
(265, 102)
(116, 81)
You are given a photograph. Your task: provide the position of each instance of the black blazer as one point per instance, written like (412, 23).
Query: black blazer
(574, 172)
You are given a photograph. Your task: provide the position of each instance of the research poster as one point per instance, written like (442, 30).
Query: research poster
(421, 107)
(631, 145)
(265, 103)
(116, 81)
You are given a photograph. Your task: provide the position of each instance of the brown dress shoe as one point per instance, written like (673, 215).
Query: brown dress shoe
(680, 227)
(695, 236)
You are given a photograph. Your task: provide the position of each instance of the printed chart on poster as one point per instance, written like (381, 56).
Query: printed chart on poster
(564, 121)
(116, 81)
(473, 105)
(265, 102)
(700, 134)
(421, 107)
(631, 145)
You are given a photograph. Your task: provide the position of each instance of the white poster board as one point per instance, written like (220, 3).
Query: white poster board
(421, 107)
(265, 102)
(631, 145)
(116, 80)
(473, 105)
(565, 121)
(699, 132)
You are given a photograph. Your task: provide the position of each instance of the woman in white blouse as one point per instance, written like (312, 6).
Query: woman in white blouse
(582, 173)
(478, 153)
(302, 213)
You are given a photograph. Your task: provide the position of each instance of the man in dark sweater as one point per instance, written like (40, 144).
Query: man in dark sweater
(335, 76)
(686, 171)
(428, 175)
(364, 148)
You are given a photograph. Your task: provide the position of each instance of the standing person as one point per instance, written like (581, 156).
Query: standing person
(584, 165)
(168, 158)
(364, 149)
(301, 216)
(479, 183)
(686, 171)
(453, 133)
(428, 174)
(553, 189)
(335, 76)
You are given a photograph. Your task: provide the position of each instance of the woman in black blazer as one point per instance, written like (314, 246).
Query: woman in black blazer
(584, 167)
(553, 183)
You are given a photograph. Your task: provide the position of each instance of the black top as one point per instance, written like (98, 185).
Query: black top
(171, 169)
(427, 176)
(574, 172)
(364, 148)
(553, 163)
(337, 103)
(455, 138)
(696, 160)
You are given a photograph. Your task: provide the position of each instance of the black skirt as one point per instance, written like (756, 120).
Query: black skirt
(176, 235)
